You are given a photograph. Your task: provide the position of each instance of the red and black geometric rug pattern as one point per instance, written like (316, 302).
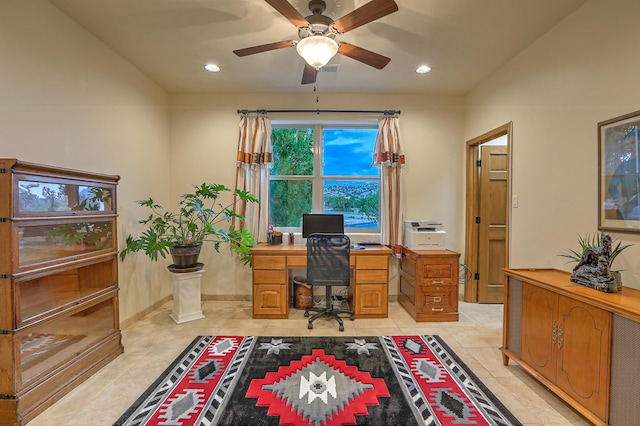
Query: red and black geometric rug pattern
(317, 381)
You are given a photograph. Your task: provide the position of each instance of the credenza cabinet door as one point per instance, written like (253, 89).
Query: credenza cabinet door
(568, 343)
(583, 354)
(539, 329)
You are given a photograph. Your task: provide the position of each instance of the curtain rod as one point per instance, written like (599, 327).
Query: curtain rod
(318, 111)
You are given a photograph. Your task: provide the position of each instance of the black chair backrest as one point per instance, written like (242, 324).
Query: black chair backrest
(328, 259)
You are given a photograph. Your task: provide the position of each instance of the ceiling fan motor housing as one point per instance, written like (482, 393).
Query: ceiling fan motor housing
(319, 24)
(317, 6)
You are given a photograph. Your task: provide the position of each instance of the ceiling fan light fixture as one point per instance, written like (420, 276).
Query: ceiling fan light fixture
(317, 50)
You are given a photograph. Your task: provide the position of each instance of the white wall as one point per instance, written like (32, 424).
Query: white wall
(204, 133)
(69, 101)
(583, 71)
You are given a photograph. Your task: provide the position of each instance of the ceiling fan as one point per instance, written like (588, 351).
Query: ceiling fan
(317, 33)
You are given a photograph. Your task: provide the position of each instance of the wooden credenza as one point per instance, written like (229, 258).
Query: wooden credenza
(272, 279)
(58, 283)
(429, 284)
(581, 343)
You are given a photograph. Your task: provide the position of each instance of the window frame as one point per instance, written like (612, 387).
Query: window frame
(318, 179)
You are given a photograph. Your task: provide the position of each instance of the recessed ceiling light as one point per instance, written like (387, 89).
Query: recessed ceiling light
(212, 68)
(423, 69)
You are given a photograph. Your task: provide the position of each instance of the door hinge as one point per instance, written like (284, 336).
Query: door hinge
(477, 219)
(3, 171)
(476, 276)
(6, 276)
(478, 163)
(5, 219)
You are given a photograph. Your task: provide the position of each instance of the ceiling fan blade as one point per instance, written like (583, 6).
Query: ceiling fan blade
(309, 74)
(288, 11)
(263, 48)
(363, 55)
(371, 11)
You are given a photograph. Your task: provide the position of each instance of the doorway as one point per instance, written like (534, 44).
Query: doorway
(488, 170)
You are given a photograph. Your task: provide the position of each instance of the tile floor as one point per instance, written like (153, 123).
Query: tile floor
(153, 342)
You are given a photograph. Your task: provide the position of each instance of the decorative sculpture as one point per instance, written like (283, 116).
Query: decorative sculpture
(593, 268)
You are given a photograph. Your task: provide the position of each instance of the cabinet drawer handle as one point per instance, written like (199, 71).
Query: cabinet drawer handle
(438, 282)
(437, 299)
(437, 309)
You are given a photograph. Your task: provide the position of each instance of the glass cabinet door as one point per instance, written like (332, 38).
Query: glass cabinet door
(44, 294)
(41, 242)
(40, 196)
(47, 345)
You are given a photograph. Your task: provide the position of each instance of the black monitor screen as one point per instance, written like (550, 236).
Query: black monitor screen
(322, 223)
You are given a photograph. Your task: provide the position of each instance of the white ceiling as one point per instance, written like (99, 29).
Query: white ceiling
(463, 41)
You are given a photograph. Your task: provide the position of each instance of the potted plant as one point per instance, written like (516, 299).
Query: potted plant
(589, 242)
(196, 220)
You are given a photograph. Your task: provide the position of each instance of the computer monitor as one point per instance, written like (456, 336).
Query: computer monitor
(322, 223)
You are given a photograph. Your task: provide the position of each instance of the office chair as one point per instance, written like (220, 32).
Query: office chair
(328, 265)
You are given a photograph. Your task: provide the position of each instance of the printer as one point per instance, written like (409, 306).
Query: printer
(424, 235)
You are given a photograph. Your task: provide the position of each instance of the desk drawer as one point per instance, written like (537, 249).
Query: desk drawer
(269, 262)
(269, 277)
(364, 276)
(296, 261)
(372, 262)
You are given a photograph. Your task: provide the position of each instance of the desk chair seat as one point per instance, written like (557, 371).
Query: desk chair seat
(328, 265)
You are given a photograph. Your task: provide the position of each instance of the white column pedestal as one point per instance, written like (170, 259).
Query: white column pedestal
(187, 300)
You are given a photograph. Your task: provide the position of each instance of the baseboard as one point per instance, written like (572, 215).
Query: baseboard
(140, 315)
(228, 297)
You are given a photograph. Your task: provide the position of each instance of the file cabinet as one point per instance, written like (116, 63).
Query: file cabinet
(429, 284)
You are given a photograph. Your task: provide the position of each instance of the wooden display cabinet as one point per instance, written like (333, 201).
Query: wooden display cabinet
(429, 284)
(58, 283)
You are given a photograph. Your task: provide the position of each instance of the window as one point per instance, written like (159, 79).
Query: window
(322, 168)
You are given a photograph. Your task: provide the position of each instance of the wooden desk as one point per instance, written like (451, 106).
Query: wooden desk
(272, 280)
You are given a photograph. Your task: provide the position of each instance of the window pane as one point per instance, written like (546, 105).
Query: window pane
(289, 199)
(292, 152)
(349, 152)
(356, 200)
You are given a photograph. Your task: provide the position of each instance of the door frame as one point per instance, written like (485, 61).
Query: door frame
(472, 205)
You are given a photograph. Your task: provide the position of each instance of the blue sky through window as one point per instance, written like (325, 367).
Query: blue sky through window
(349, 152)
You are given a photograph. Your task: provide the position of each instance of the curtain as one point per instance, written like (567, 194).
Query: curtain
(389, 157)
(255, 158)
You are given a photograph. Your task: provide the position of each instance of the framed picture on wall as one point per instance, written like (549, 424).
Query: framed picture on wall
(619, 174)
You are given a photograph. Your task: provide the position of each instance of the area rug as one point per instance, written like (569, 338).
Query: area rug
(317, 381)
